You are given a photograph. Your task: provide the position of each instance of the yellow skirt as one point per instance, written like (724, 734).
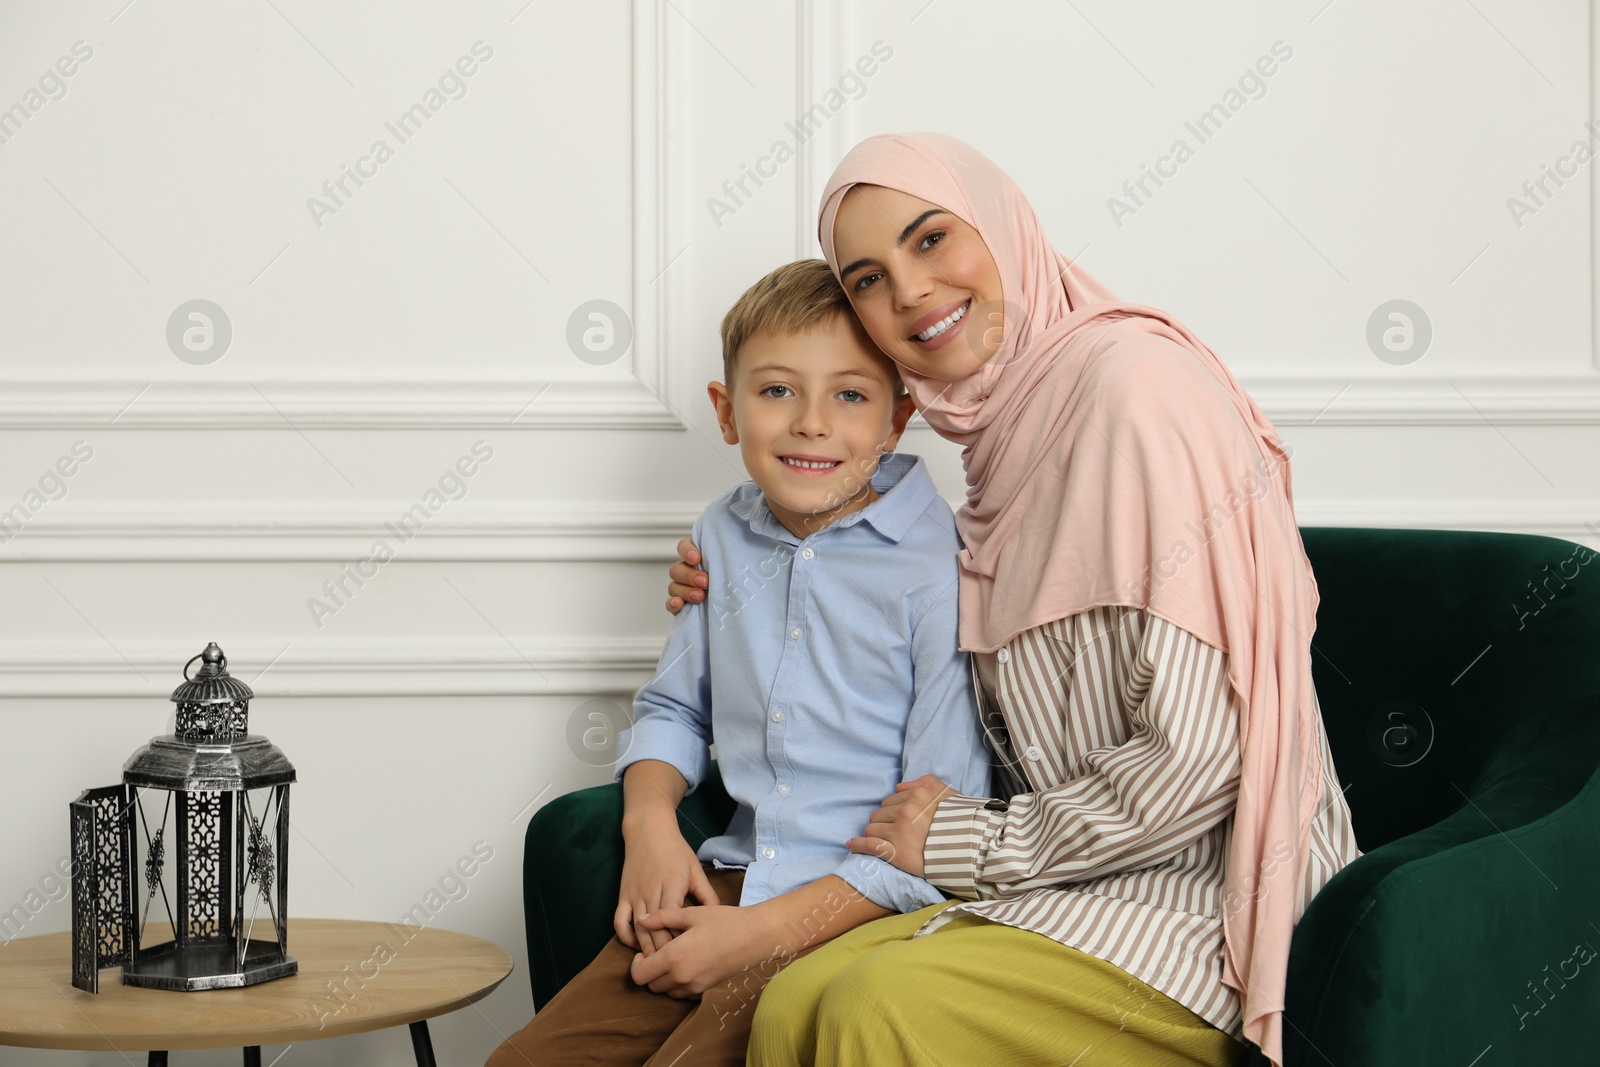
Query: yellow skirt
(973, 992)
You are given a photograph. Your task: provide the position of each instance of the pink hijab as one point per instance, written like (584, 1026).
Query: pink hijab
(1112, 458)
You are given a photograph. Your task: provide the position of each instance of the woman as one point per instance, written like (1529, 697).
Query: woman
(1140, 609)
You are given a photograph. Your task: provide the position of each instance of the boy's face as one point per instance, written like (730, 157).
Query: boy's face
(811, 413)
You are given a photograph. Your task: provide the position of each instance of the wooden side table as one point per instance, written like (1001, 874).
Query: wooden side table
(354, 977)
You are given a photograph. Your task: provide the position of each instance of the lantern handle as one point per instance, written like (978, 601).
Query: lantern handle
(223, 664)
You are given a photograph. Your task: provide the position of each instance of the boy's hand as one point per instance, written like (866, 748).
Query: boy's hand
(689, 582)
(659, 871)
(711, 944)
(898, 830)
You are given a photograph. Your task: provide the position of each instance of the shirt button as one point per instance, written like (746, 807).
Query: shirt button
(784, 789)
(794, 634)
(1033, 753)
(777, 714)
(769, 853)
(1003, 656)
(807, 554)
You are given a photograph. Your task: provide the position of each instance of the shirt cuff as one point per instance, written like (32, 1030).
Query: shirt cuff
(668, 743)
(963, 831)
(887, 885)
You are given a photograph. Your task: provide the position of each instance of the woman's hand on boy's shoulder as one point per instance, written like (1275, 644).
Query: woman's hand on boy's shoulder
(689, 582)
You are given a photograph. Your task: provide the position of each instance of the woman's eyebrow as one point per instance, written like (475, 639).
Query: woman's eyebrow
(905, 235)
(911, 227)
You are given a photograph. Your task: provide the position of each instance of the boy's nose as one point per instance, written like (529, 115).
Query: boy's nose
(811, 420)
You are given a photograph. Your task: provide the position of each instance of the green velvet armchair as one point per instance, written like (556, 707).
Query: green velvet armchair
(1459, 678)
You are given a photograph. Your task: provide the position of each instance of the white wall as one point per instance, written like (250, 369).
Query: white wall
(373, 345)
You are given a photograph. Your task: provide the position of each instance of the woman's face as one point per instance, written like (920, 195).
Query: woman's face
(922, 281)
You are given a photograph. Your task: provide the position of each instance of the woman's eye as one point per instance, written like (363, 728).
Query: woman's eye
(865, 280)
(932, 239)
(767, 391)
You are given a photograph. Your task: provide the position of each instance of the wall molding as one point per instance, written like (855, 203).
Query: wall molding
(819, 51)
(660, 203)
(1544, 400)
(556, 533)
(278, 533)
(324, 667)
(1372, 400)
(1550, 400)
(300, 405)
(652, 397)
(317, 666)
(648, 399)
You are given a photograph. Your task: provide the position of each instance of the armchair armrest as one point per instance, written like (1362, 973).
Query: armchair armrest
(1462, 936)
(572, 865)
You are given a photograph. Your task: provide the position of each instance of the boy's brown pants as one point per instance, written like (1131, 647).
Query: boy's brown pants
(602, 1017)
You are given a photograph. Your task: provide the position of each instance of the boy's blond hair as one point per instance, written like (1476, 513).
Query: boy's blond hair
(795, 298)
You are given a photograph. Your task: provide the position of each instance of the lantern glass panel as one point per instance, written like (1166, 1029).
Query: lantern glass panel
(155, 893)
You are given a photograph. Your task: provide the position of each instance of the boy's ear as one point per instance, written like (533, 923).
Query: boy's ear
(903, 410)
(724, 405)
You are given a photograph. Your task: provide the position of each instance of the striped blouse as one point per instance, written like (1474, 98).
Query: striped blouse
(1121, 734)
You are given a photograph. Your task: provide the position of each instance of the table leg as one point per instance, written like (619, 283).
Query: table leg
(252, 1056)
(422, 1044)
(157, 1058)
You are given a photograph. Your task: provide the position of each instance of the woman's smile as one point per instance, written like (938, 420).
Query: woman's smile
(940, 328)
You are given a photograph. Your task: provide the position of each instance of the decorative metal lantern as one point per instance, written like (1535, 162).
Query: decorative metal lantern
(223, 794)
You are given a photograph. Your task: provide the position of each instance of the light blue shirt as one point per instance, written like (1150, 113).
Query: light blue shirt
(826, 671)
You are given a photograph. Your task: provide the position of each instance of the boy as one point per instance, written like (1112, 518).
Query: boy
(825, 668)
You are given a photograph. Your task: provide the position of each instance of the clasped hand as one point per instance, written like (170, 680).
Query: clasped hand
(709, 943)
(898, 829)
(682, 951)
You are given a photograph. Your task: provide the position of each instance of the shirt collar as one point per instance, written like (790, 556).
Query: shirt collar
(905, 489)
